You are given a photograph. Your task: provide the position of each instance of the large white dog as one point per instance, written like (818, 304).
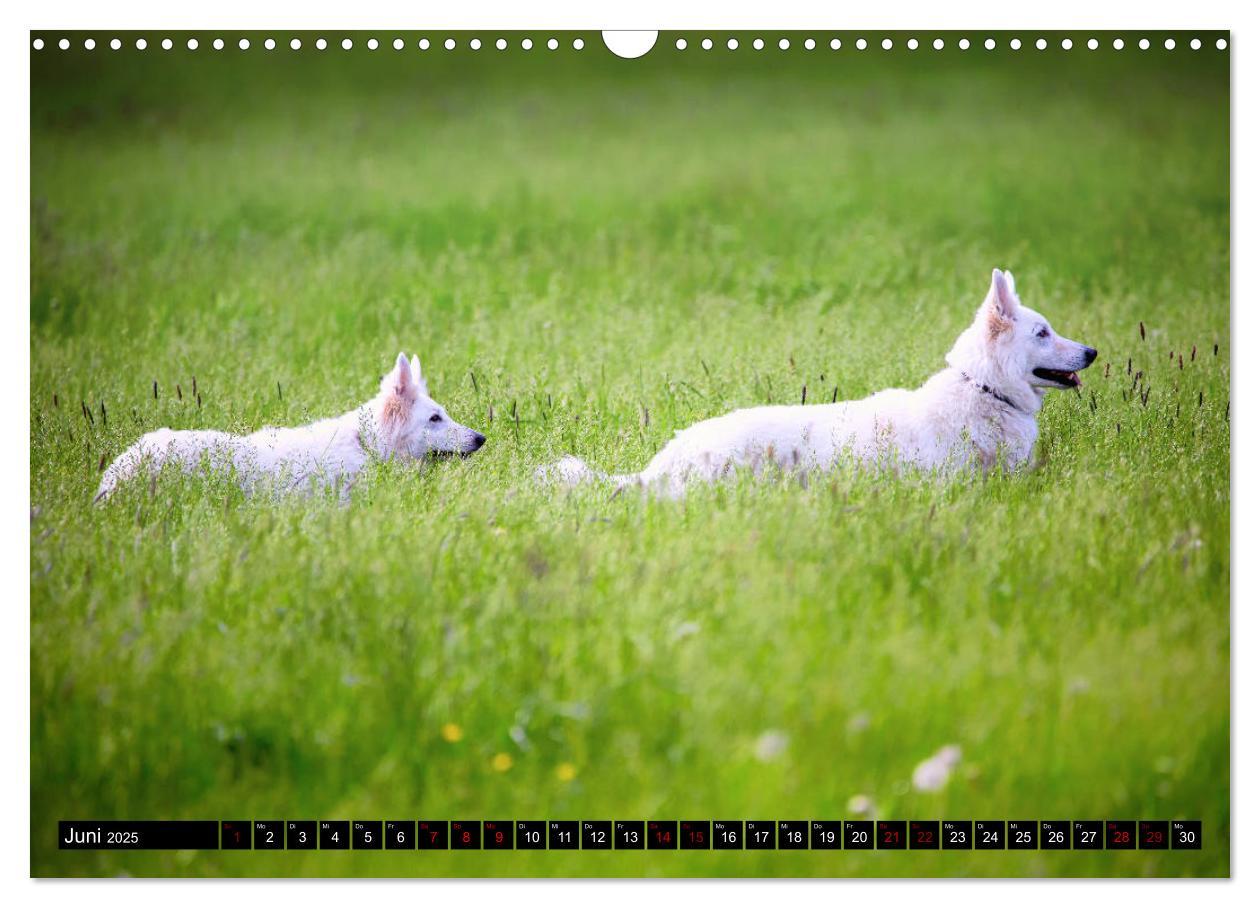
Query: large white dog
(979, 412)
(402, 421)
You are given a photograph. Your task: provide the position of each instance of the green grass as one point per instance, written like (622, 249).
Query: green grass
(615, 250)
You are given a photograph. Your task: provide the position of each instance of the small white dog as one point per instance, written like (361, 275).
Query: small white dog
(980, 411)
(402, 421)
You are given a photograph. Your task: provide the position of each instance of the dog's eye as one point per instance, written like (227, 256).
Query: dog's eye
(436, 417)
(1043, 332)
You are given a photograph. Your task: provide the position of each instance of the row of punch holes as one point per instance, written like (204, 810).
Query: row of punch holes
(680, 44)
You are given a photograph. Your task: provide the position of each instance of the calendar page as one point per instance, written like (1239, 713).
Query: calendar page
(552, 453)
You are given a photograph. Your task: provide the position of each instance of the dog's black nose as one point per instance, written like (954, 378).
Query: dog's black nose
(1090, 355)
(478, 440)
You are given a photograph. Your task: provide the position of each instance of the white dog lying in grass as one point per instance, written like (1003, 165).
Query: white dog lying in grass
(979, 411)
(402, 421)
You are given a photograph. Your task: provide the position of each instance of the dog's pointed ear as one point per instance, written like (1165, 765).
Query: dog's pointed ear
(1001, 304)
(399, 390)
(419, 376)
(401, 379)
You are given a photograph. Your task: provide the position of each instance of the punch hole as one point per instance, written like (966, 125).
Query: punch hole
(784, 44)
(1067, 44)
(1221, 44)
(1092, 44)
(758, 44)
(1195, 43)
(269, 44)
(886, 44)
(320, 44)
(913, 44)
(809, 44)
(399, 44)
(552, 44)
(295, 44)
(1041, 44)
(989, 44)
(90, 44)
(629, 45)
(243, 44)
(835, 43)
(861, 44)
(218, 44)
(192, 44)
(963, 44)
(423, 44)
(449, 43)
(373, 44)
(501, 44)
(732, 44)
(1118, 44)
(38, 44)
(938, 44)
(1170, 44)
(1144, 44)
(707, 44)
(475, 44)
(64, 43)
(167, 44)
(578, 44)
(1016, 44)
(527, 44)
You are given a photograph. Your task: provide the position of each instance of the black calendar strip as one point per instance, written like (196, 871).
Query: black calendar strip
(632, 835)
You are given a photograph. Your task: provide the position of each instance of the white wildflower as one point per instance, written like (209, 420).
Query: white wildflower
(933, 773)
(861, 806)
(770, 746)
(685, 630)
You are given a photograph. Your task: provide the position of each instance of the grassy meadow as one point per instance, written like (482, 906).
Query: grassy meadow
(587, 254)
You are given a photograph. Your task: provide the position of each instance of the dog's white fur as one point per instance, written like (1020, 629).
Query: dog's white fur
(401, 421)
(979, 412)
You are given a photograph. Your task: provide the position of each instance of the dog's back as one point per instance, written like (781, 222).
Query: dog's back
(188, 448)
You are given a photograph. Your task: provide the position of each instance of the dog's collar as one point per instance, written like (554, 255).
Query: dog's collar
(980, 386)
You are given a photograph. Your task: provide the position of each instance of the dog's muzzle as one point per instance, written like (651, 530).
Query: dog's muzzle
(1068, 378)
